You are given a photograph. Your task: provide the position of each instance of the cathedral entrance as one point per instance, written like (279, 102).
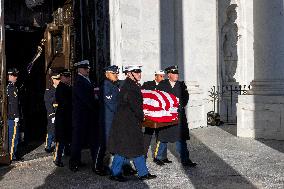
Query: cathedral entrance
(21, 48)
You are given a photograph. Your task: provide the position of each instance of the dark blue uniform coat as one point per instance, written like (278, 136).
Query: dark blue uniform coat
(50, 105)
(180, 131)
(126, 137)
(85, 131)
(63, 116)
(13, 101)
(108, 105)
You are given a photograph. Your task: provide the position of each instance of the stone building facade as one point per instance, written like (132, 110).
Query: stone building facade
(214, 43)
(217, 44)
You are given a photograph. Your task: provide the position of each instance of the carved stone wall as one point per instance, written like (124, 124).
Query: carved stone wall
(229, 39)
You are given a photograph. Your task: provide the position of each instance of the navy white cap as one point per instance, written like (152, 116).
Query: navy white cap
(113, 69)
(172, 69)
(160, 72)
(132, 68)
(82, 64)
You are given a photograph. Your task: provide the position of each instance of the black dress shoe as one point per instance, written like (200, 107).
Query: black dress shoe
(118, 178)
(128, 170)
(48, 150)
(18, 158)
(81, 164)
(189, 163)
(58, 163)
(74, 167)
(147, 177)
(101, 172)
(167, 160)
(158, 162)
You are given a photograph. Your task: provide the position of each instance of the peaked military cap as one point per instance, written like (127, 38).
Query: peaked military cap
(112, 68)
(172, 69)
(65, 72)
(54, 73)
(132, 68)
(82, 64)
(13, 71)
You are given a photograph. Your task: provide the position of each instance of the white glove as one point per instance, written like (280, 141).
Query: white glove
(52, 120)
(16, 119)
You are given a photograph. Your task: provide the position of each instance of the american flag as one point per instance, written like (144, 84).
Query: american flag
(160, 106)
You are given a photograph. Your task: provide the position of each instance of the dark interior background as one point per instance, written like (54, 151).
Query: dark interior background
(20, 49)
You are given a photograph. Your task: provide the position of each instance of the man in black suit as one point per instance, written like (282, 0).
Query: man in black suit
(63, 117)
(84, 130)
(175, 133)
(148, 132)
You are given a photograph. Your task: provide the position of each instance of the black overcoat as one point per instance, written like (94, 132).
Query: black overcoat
(13, 101)
(50, 105)
(63, 115)
(149, 85)
(84, 114)
(126, 137)
(180, 131)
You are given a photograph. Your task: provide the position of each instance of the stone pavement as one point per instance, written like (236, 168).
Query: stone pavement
(225, 161)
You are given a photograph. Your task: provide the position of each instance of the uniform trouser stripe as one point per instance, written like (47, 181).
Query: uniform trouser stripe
(56, 150)
(157, 149)
(46, 140)
(13, 141)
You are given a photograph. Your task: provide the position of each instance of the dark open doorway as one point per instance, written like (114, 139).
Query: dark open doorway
(21, 46)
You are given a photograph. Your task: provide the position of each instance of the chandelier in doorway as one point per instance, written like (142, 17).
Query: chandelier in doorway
(33, 3)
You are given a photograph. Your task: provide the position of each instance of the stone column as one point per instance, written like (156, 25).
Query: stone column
(261, 113)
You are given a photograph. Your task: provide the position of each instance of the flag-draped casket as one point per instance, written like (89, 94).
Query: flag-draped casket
(160, 108)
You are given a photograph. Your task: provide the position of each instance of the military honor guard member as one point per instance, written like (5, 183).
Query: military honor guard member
(84, 129)
(175, 133)
(108, 96)
(13, 113)
(148, 132)
(63, 117)
(51, 105)
(126, 138)
(152, 85)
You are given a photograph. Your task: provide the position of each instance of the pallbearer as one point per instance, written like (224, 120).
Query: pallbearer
(108, 105)
(51, 105)
(84, 127)
(175, 133)
(148, 132)
(63, 117)
(126, 137)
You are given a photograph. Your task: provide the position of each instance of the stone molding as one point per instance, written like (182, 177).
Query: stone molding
(261, 117)
(271, 88)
